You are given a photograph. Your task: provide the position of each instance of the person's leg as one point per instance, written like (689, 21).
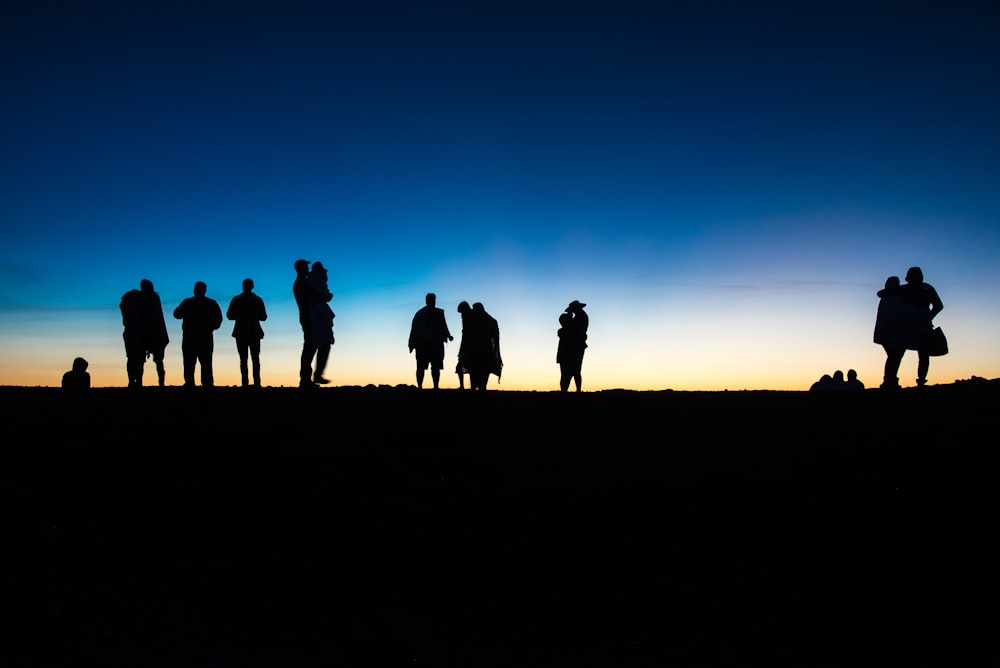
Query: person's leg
(207, 377)
(923, 365)
(254, 346)
(305, 363)
(322, 355)
(135, 359)
(563, 377)
(190, 357)
(420, 376)
(243, 349)
(893, 358)
(161, 371)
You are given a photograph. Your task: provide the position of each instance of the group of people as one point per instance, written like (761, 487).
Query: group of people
(145, 335)
(145, 332)
(478, 350)
(837, 382)
(904, 322)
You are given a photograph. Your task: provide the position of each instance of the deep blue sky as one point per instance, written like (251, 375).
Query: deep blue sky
(726, 184)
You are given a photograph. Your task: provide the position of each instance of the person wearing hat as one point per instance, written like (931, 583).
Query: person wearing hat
(572, 343)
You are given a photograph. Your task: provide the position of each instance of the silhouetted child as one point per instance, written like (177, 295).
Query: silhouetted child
(77, 380)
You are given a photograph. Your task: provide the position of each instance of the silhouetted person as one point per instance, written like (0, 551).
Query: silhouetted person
(481, 341)
(200, 316)
(77, 380)
(428, 333)
(247, 311)
(145, 332)
(852, 382)
(572, 343)
(461, 368)
(316, 318)
(824, 384)
(905, 317)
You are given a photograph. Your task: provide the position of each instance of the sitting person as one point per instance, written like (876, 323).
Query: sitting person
(77, 379)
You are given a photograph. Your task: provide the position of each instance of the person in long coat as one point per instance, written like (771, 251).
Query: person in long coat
(481, 347)
(903, 321)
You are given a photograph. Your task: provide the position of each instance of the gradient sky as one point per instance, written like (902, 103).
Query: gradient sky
(725, 184)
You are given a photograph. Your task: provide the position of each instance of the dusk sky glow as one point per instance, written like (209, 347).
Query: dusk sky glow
(725, 184)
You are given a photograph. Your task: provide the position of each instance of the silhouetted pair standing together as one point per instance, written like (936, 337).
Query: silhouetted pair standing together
(313, 296)
(145, 332)
(479, 351)
(905, 322)
(572, 335)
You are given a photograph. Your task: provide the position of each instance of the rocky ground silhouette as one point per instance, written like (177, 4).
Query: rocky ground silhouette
(377, 526)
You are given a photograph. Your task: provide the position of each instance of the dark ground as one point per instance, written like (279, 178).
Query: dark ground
(391, 527)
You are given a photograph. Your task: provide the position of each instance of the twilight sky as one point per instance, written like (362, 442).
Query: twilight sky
(725, 184)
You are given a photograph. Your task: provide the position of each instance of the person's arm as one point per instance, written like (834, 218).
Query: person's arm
(936, 305)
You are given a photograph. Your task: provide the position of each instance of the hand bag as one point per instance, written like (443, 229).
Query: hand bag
(935, 344)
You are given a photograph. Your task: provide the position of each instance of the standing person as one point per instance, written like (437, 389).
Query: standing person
(461, 368)
(200, 316)
(905, 317)
(481, 340)
(572, 343)
(311, 296)
(428, 333)
(247, 311)
(145, 332)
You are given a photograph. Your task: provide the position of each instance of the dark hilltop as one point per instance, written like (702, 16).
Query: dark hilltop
(377, 526)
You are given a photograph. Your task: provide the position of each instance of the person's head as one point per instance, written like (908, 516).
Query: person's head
(838, 376)
(478, 307)
(565, 318)
(200, 289)
(430, 299)
(463, 307)
(852, 374)
(892, 282)
(247, 284)
(80, 364)
(914, 275)
(146, 285)
(302, 267)
(574, 306)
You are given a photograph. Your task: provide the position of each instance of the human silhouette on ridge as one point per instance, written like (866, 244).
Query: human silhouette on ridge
(145, 332)
(200, 316)
(247, 311)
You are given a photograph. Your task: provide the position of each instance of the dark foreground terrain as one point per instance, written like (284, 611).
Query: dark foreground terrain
(391, 527)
